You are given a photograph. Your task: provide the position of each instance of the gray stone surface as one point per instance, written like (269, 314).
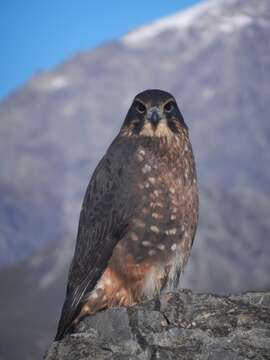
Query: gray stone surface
(181, 325)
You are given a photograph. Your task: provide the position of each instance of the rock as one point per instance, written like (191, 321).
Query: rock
(181, 325)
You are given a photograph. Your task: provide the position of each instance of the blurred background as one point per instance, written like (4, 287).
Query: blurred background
(69, 71)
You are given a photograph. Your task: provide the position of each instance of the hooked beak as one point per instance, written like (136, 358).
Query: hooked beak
(155, 118)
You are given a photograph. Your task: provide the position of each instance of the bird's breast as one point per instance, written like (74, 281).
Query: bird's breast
(164, 182)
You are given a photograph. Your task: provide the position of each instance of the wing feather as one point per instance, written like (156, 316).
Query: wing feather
(103, 221)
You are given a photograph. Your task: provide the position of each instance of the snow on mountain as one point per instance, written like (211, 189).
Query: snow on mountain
(175, 22)
(200, 15)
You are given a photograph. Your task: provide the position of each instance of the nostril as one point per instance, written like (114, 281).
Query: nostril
(155, 118)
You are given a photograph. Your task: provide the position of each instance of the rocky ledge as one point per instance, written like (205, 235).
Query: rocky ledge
(178, 325)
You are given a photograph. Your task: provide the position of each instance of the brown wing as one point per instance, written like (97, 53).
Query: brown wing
(103, 221)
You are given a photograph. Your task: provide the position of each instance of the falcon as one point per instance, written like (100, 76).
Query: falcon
(139, 214)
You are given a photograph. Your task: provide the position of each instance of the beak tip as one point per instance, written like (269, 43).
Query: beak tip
(155, 118)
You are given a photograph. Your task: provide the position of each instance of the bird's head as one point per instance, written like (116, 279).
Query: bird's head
(154, 113)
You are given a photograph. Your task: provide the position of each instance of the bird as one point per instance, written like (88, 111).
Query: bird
(139, 214)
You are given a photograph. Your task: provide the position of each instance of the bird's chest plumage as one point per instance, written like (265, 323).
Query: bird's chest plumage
(162, 226)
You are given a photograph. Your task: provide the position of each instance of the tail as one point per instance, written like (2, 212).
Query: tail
(66, 322)
(69, 319)
(62, 331)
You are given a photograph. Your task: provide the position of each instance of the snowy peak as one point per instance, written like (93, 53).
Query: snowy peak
(215, 15)
(180, 20)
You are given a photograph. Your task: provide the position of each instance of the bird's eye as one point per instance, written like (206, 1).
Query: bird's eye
(169, 107)
(140, 108)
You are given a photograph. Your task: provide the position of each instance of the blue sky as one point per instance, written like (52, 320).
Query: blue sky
(36, 35)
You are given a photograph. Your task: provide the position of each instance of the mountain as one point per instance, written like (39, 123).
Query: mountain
(26, 220)
(214, 59)
(31, 296)
(232, 248)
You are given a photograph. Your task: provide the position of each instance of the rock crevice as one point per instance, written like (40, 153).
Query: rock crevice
(180, 325)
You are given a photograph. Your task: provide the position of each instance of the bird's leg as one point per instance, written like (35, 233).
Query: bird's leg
(95, 302)
(84, 312)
